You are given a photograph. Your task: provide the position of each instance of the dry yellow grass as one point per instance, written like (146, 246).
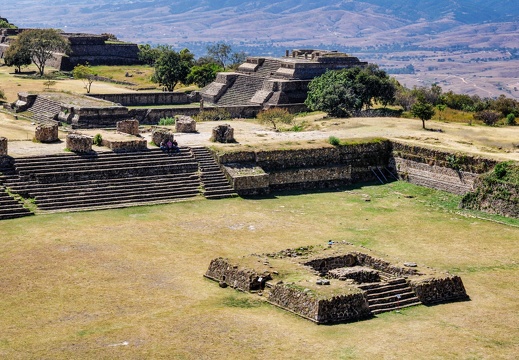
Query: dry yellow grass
(128, 284)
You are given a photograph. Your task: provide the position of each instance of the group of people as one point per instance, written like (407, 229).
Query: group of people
(170, 146)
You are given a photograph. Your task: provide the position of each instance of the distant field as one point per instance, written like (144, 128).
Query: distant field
(127, 284)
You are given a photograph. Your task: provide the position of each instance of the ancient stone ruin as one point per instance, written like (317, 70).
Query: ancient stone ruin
(79, 143)
(185, 124)
(46, 133)
(223, 134)
(159, 134)
(268, 81)
(3, 146)
(336, 282)
(128, 127)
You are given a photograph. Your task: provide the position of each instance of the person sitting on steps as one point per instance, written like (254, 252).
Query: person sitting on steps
(163, 146)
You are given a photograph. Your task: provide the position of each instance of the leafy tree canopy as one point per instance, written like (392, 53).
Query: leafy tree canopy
(41, 44)
(423, 110)
(222, 54)
(172, 67)
(202, 75)
(17, 56)
(86, 74)
(340, 93)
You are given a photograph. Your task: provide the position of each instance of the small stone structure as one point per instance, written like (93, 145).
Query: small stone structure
(3, 146)
(185, 124)
(223, 134)
(46, 133)
(336, 283)
(158, 134)
(128, 127)
(126, 145)
(79, 143)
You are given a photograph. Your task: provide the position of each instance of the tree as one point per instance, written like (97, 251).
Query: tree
(222, 54)
(17, 56)
(149, 55)
(4, 24)
(340, 93)
(489, 117)
(86, 74)
(422, 110)
(41, 45)
(441, 108)
(172, 68)
(275, 116)
(202, 75)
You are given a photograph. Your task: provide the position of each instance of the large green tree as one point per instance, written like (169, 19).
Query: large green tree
(173, 67)
(17, 56)
(41, 44)
(341, 93)
(202, 75)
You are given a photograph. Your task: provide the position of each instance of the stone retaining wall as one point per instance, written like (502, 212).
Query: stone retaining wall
(92, 117)
(433, 291)
(46, 133)
(145, 99)
(238, 278)
(3, 146)
(340, 308)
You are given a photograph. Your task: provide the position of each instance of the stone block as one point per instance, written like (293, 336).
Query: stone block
(158, 134)
(223, 134)
(46, 133)
(128, 127)
(79, 143)
(3, 146)
(185, 124)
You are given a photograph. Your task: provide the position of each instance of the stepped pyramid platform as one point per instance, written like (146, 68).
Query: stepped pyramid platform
(269, 81)
(91, 181)
(337, 282)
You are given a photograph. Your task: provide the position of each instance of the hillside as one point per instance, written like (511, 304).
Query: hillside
(395, 33)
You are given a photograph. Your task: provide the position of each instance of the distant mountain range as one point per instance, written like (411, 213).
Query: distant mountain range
(476, 23)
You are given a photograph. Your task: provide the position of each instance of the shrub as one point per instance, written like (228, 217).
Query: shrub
(2, 94)
(167, 121)
(216, 114)
(98, 140)
(334, 141)
(489, 117)
(275, 116)
(510, 120)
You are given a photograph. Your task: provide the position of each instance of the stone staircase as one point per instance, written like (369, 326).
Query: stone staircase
(10, 208)
(241, 91)
(214, 182)
(44, 109)
(69, 182)
(389, 295)
(268, 68)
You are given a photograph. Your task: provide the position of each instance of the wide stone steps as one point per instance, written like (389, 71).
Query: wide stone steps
(214, 182)
(241, 91)
(268, 68)
(388, 296)
(10, 208)
(44, 109)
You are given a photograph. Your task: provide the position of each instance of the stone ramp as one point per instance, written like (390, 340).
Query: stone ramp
(214, 182)
(393, 294)
(105, 180)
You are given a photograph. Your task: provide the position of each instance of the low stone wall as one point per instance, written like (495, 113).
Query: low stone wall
(248, 179)
(128, 127)
(79, 143)
(145, 98)
(342, 308)
(92, 117)
(238, 278)
(46, 133)
(126, 145)
(185, 124)
(359, 274)
(433, 291)
(153, 116)
(3, 146)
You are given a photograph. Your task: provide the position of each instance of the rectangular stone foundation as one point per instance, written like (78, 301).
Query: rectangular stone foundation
(126, 145)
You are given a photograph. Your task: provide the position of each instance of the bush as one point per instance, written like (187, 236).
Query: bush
(489, 117)
(2, 94)
(167, 121)
(98, 140)
(216, 114)
(334, 141)
(275, 116)
(510, 120)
